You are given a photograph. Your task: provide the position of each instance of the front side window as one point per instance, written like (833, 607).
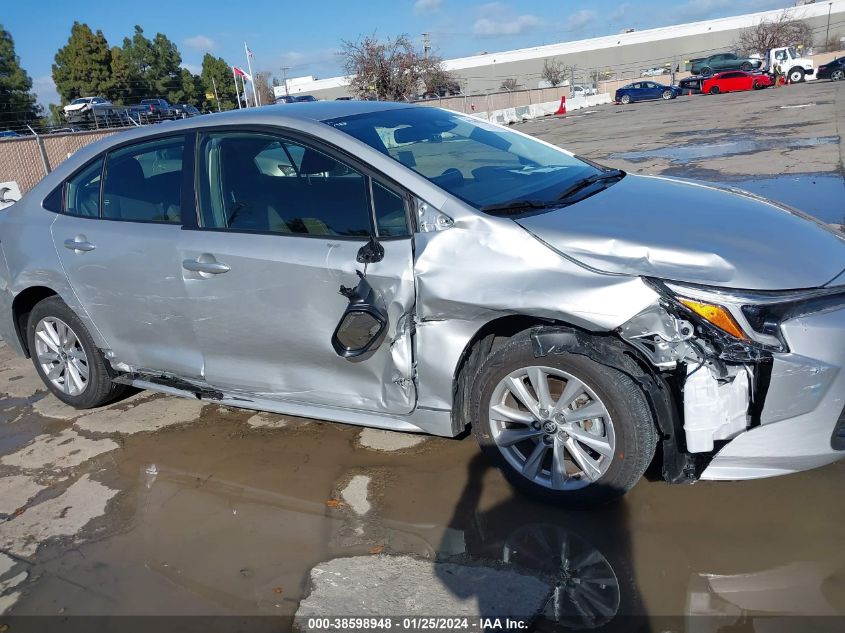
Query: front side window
(144, 182)
(82, 192)
(252, 181)
(480, 163)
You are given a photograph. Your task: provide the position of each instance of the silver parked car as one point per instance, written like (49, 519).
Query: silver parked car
(416, 269)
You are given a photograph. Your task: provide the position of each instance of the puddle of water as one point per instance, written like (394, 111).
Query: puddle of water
(687, 153)
(16, 433)
(231, 521)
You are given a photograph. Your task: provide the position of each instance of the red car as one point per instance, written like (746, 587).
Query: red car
(734, 80)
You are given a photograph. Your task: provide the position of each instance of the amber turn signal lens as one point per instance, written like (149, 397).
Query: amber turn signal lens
(717, 315)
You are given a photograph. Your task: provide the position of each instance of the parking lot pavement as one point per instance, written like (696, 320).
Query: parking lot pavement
(160, 505)
(782, 143)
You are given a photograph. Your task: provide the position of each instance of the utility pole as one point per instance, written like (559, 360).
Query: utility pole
(827, 33)
(216, 98)
(285, 70)
(426, 44)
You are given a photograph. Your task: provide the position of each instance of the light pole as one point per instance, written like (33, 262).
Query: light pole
(827, 33)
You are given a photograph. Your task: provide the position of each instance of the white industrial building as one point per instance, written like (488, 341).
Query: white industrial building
(624, 55)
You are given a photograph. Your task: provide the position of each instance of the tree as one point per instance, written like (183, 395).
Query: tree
(154, 66)
(265, 90)
(554, 71)
(216, 70)
(82, 67)
(17, 103)
(390, 70)
(437, 79)
(509, 84)
(781, 31)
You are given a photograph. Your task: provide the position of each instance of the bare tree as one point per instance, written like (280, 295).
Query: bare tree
(785, 30)
(509, 84)
(262, 86)
(391, 70)
(554, 71)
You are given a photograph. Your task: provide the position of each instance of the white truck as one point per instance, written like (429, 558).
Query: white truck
(795, 67)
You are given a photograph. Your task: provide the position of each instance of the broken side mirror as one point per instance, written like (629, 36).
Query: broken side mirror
(363, 326)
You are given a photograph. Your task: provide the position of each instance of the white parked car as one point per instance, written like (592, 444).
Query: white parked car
(82, 104)
(653, 72)
(583, 91)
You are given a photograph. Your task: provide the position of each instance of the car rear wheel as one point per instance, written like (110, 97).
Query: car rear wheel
(714, 90)
(564, 427)
(625, 100)
(66, 358)
(667, 94)
(837, 75)
(745, 67)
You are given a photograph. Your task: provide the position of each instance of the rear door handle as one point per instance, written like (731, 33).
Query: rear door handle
(79, 244)
(205, 263)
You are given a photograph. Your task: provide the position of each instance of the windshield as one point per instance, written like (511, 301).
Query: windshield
(78, 101)
(482, 164)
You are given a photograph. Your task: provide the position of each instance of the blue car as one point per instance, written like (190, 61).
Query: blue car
(643, 90)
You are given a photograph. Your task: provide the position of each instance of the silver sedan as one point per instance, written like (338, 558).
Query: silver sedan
(414, 269)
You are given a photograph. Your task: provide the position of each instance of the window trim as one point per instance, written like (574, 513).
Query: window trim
(332, 151)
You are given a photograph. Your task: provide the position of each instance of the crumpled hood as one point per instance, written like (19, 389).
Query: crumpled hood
(683, 231)
(75, 107)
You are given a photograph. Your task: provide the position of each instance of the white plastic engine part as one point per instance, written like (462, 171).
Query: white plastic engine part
(713, 410)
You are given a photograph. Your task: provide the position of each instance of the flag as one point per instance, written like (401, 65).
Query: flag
(241, 73)
(249, 53)
(209, 95)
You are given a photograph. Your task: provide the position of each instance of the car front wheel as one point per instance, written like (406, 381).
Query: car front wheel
(625, 100)
(564, 427)
(66, 358)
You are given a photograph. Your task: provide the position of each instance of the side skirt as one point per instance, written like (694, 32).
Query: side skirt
(432, 421)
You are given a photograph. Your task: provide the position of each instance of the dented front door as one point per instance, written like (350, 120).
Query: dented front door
(266, 307)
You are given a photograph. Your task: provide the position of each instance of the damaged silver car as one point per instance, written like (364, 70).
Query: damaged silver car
(415, 269)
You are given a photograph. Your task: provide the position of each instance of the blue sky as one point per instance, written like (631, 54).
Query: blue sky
(306, 35)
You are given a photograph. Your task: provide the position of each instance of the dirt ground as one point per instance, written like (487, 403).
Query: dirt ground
(167, 506)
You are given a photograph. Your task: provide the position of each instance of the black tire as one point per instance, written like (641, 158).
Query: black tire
(634, 427)
(714, 90)
(99, 389)
(625, 99)
(706, 71)
(755, 85)
(667, 94)
(837, 75)
(745, 67)
(796, 75)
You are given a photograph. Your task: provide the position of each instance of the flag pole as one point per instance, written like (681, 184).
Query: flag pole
(237, 92)
(252, 77)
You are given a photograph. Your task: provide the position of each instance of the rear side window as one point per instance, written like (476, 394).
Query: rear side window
(82, 192)
(144, 182)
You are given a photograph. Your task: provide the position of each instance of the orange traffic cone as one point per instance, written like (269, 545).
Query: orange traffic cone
(562, 109)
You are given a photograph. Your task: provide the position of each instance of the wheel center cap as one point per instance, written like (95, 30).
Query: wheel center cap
(550, 427)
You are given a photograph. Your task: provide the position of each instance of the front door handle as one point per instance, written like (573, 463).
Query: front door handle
(79, 244)
(205, 264)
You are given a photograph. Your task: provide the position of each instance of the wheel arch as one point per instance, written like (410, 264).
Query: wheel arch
(553, 336)
(22, 306)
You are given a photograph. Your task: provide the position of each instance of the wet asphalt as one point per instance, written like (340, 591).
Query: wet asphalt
(158, 505)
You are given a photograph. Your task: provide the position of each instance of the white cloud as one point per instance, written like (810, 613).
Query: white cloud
(497, 19)
(193, 68)
(620, 13)
(427, 6)
(200, 43)
(45, 90)
(579, 19)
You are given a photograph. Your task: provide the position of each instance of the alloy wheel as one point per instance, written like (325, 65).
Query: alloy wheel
(61, 356)
(838, 75)
(552, 428)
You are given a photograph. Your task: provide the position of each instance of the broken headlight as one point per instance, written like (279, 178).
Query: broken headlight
(742, 319)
